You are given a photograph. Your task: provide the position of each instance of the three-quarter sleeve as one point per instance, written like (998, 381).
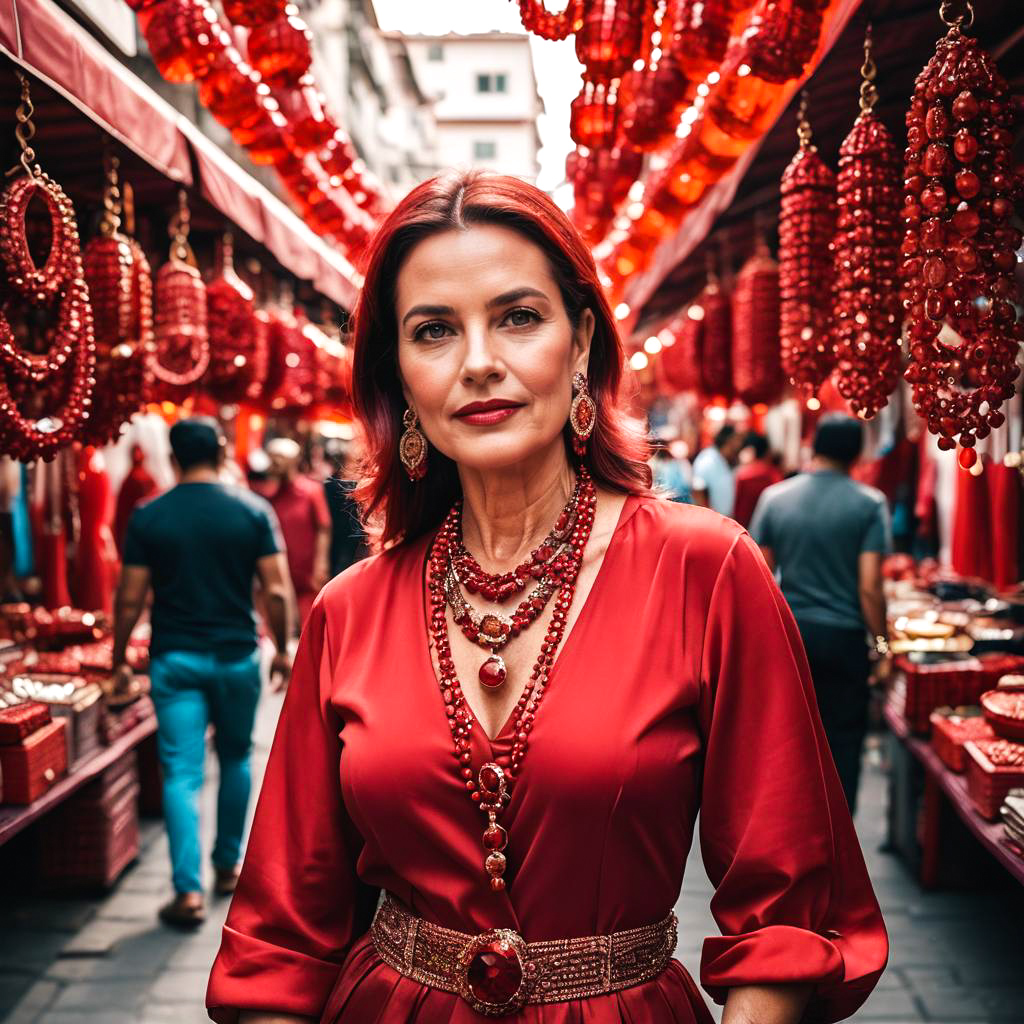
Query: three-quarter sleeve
(792, 895)
(299, 904)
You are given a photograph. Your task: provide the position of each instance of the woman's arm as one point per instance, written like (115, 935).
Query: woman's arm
(764, 1004)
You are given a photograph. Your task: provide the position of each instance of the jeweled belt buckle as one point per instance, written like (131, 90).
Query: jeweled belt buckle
(495, 976)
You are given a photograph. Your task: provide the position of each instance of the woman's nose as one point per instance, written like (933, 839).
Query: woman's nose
(480, 360)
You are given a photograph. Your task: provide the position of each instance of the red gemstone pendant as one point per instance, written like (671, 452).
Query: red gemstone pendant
(493, 672)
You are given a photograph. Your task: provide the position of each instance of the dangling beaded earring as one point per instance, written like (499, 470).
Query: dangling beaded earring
(412, 448)
(582, 414)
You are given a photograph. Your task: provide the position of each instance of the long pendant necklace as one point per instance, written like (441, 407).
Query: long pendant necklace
(491, 789)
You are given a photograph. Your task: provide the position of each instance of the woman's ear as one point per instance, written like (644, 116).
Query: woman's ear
(583, 335)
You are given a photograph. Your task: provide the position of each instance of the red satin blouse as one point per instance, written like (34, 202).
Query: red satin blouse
(682, 686)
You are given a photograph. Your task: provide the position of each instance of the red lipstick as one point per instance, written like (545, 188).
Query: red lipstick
(485, 414)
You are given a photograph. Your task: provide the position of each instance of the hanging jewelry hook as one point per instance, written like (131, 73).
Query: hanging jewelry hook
(24, 130)
(868, 72)
(178, 229)
(803, 126)
(965, 19)
(111, 219)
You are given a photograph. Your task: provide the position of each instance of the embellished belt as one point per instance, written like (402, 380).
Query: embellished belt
(498, 973)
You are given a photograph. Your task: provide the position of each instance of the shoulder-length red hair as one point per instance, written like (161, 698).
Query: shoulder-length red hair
(616, 455)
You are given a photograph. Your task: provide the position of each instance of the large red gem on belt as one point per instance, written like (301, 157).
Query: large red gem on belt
(495, 973)
(496, 979)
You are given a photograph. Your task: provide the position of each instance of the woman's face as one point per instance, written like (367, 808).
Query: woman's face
(486, 351)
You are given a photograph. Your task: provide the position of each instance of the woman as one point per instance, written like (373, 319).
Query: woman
(523, 785)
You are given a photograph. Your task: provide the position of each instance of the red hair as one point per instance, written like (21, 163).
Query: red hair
(616, 454)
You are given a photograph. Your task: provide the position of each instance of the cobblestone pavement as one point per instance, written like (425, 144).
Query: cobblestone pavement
(956, 956)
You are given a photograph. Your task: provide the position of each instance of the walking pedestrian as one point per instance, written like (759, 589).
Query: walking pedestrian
(753, 477)
(348, 538)
(826, 535)
(199, 548)
(301, 508)
(713, 482)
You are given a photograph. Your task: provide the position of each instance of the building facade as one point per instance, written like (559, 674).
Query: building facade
(485, 99)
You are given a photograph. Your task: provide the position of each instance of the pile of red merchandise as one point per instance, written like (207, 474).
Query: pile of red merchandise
(994, 767)
(952, 728)
(951, 683)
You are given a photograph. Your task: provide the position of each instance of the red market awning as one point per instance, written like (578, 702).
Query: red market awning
(52, 47)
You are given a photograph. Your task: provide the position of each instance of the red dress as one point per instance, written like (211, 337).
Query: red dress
(681, 687)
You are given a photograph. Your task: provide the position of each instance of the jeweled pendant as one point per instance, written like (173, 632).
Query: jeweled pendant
(493, 672)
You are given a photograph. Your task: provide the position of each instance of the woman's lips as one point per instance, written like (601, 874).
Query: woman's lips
(487, 417)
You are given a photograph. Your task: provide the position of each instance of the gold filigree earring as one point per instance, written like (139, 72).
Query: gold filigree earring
(412, 448)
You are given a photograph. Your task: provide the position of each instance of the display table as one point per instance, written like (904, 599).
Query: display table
(14, 819)
(942, 785)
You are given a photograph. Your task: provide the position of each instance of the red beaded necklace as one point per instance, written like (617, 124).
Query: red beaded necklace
(546, 564)
(491, 788)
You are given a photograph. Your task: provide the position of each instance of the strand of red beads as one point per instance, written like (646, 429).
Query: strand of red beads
(960, 244)
(34, 422)
(492, 787)
(500, 586)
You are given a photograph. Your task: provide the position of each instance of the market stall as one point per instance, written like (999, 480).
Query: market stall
(801, 207)
(143, 275)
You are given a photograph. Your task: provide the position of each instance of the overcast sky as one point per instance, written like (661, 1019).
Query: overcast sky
(558, 72)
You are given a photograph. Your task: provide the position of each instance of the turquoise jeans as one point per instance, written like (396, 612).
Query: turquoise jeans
(190, 690)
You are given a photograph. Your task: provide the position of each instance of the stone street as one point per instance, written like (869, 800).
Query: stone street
(956, 956)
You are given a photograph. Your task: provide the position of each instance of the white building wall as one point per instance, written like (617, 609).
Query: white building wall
(466, 113)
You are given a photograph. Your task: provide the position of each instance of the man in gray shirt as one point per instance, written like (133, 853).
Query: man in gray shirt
(825, 537)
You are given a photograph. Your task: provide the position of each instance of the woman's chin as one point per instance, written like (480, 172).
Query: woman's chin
(501, 452)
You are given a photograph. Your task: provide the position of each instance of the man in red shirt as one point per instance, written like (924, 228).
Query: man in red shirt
(753, 477)
(301, 509)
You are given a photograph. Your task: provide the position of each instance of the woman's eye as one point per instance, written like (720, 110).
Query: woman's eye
(521, 317)
(433, 331)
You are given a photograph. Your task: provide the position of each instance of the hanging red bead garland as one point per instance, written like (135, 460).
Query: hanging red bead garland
(536, 18)
(234, 332)
(609, 37)
(594, 115)
(756, 365)
(44, 398)
(182, 352)
(121, 290)
(492, 788)
(183, 37)
(866, 328)
(681, 361)
(282, 50)
(807, 225)
(654, 94)
(699, 34)
(716, 340)
(959, 247)
(251, 13)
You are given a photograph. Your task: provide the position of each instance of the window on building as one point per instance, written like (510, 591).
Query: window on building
(485, 149)
(492, 83)
(435, 52)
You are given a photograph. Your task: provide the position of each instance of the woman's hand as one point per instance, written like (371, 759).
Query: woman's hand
(766, 1004)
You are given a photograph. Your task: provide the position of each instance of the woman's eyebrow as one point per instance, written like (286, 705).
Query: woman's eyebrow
(514, 296)
(428, 311)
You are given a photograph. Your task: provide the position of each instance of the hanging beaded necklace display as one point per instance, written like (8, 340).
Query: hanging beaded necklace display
(491, 789)
(492, 630)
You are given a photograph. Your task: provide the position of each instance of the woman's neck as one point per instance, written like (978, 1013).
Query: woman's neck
(506, 513)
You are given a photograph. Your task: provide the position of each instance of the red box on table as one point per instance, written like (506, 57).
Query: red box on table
(994, 767)
(91, 839)
(33, 765)
(21, 720)
(951, 729)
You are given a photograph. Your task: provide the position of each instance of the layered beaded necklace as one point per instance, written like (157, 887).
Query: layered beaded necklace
(545, 565)
(561, 559)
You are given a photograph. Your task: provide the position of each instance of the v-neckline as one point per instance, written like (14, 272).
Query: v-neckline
(625, 514)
